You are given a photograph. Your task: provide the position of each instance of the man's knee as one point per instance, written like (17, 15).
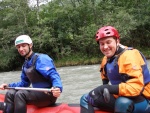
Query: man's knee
(9, 97)
(124, 105)
(86, 106)
(84, 101)
(21, 94)
(10, 92)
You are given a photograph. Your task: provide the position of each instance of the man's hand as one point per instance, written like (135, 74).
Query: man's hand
(2, 86)
(56, 91)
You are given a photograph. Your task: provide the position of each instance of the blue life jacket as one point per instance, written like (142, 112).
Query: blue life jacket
(37, 80)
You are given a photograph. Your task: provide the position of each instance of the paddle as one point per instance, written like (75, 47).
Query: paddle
(30, 89)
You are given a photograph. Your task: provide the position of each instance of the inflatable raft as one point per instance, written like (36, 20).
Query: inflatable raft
(58, 108)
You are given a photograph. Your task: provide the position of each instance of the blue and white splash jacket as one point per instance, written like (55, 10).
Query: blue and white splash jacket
(40, 72)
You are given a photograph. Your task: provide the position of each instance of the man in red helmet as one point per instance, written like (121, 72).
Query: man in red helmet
(125, 77)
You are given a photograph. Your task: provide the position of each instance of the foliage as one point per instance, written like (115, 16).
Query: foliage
(65, 29)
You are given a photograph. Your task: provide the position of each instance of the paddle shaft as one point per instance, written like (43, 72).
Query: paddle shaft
(30, 89)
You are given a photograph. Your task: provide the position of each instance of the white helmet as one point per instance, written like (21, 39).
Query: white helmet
(23, 39)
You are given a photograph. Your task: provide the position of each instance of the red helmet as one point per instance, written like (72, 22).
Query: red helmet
(107, 31)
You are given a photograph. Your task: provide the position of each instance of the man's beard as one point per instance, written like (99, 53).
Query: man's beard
(27, 53)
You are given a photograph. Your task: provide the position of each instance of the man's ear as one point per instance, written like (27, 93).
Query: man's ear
(118, 42)
(30, 45)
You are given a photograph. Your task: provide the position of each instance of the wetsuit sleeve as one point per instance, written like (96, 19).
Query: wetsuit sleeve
(130, 63)
(113, 89)
(23, 83)
(46, 67)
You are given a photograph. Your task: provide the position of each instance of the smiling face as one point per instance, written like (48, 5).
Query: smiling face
(108, 46)
(24, 49)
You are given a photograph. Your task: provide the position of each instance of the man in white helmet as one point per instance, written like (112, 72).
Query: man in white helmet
(39, 71)
(25, 40)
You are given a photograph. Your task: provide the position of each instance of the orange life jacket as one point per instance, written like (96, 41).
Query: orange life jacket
(132, 63)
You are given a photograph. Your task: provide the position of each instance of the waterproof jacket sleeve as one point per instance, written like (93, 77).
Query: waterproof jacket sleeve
(24, 82)
(130, 64)
(45, 65)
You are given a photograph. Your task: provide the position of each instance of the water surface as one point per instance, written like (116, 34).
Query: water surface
(77, 80)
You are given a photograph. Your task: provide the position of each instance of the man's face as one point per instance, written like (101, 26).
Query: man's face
(24, 49)
(108, 46)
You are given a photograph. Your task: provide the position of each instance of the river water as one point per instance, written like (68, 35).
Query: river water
(77, 80)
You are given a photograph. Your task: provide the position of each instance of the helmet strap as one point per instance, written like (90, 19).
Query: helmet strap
(28, 51)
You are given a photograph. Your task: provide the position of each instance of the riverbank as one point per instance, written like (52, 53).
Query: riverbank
(77, 61)
(85, 60)
(72, 60)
